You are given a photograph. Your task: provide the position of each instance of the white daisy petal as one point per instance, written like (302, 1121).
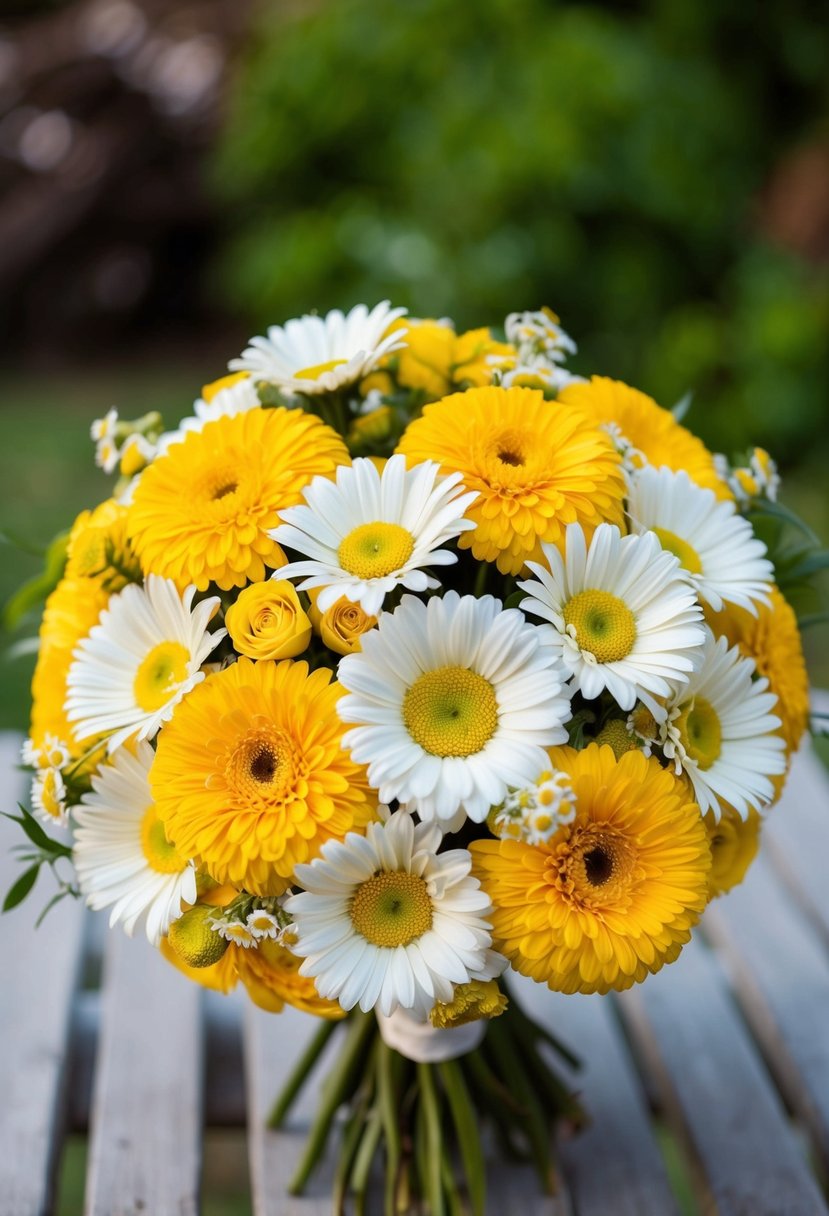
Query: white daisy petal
(400, 935)
(360, 536)
(137, 663)
(439, 726)
(121, 854)
(625, 616)
(723, 558)
(720, 732)
(311, 354)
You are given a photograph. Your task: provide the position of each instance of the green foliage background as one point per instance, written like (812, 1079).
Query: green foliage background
(604, 159)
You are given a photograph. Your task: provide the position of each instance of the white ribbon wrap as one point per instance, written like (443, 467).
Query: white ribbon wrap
(425, 1043)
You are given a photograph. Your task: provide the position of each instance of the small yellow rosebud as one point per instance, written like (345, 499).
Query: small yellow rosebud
(194, 941)
(268, 622)
(342, 626)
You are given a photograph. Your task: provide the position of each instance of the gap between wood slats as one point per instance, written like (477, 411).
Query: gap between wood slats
(714, 1086)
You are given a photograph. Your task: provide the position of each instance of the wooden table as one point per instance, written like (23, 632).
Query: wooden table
(724, 1056)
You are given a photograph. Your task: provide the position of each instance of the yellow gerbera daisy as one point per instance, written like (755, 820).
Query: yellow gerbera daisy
(734, 843)
(536, 468)
(651, 433)
(614, 893)
(772, 639)
(270, 973)
(250, 777)
(201, 512)
(71, 611)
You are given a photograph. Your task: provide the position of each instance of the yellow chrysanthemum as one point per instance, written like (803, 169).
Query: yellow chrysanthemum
(536, 467)
(772, 639)
(472, 1002)
(270, 973)
(71, 611)
(650, 430)
(734, 843)
(250, 777)
(99, 548)
(201, 513)
(614, 894)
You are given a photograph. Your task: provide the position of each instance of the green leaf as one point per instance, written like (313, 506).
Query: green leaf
(18, 892)
(22, 648)
(683, 405)
(776, 510)
(20, 543)
(36, 833)
(811, 564)
(50, 905)
(37, 589)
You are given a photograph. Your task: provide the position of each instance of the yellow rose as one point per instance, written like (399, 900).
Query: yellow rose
(267, 621)
(426, 359)
(342, 626)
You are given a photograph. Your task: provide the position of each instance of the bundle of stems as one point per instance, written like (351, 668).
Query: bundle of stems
(418, 1126)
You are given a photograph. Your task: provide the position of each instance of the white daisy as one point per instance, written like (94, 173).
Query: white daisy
(138, 662)
(625, 615)
(455, 702)
(716, 545)
(387, 921)
(236, 398)
(721, 731)
(121, 853)
(49, 796)
(369, 532)
(51, 753)
(321, 354)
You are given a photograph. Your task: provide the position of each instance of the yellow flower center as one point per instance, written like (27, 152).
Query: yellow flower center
(160, 854)
(594, 866)
(263, 767)
(507, 450)
(604, 625)
(451, 711)
(375, 550)
(687, 554)
(52, 803)
(159, 675)
(218, 486)
(318, 369)
(700, 731)
(391, 909)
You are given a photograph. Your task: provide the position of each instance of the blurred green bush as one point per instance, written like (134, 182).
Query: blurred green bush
(607, 160)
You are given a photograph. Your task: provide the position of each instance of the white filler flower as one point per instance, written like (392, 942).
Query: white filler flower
(722, 732)
(387, 921)
(369, 532)
(122, 856)
(322, 354)
(626, 617)
(138, 662)
(455, 701)
(717, 546)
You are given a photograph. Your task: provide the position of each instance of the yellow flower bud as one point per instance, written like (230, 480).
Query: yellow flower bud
(472, 1001)
(193, 940)
(371, 428)
(425, 361)
(268, 622)
(342, 626)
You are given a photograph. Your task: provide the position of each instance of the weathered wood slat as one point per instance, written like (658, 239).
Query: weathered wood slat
(781, 974)
(632, 1180)
(796, 836)
(690, 1034)
(145, 1142)
(39, 970)
(272, 1044)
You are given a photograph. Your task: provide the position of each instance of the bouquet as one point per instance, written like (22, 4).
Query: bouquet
(409, 658)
